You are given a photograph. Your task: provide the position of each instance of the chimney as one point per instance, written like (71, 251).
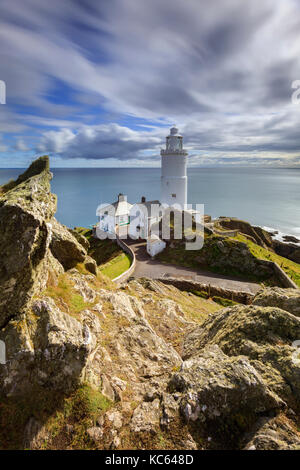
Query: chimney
(122, 197)
(143, 200)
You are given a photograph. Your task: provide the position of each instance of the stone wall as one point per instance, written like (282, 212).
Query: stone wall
(189, 285)
(124, 276)
(226, 233)
(285, 280)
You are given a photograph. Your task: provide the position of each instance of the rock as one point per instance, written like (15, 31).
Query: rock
(216, 388)
(91, 265)
(80, 238)
(146, 417)
(107, 389)
(116, 442)
(264, 334)
(115, 418)
(272, 434)
(286, 299)
(81, 284)
(170, 409)
(100, 421)
(35, 435)
(25, 233)
(69, 429)
(290, 238)
(47, 352)
(260, 236)
(64, 246)
(95, 434)
(229, 254)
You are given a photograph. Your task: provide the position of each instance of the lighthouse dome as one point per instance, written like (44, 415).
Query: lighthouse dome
(174, 130)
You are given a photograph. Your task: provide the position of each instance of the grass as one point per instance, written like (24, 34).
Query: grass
(218, 300)
(116, 267)
(291, 268)
(194, 259)
(102, 251)
(53, 410)
(112, 261)
(65, 295)
(80, 410)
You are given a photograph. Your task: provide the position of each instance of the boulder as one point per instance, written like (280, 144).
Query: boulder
(35, 434)
(287, 250)
(286, 299)
(221, 390)
(272, 434)
(45, 348)
(115, 418)
(80, 238)
(290, 238)
(145, 417)
(65, 247)
(95, 434)
(265, 335)
(90, 265)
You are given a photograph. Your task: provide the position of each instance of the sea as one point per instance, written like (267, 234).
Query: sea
(269, 198)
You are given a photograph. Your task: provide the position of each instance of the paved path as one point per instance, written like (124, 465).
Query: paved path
(146, 267)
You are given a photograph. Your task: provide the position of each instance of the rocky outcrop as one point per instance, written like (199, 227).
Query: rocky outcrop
(26, 209)
(65, 247)
(263, 238)
(287, 250)
(146, 365)
(272, 434)
(265, 335)
(286, 299)
(80, 238)
(217, 390)
(257, 234)
(229, 255)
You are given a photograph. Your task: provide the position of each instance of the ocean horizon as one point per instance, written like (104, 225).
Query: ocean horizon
(268, 197)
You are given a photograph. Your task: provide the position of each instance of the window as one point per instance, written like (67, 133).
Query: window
(173, 195)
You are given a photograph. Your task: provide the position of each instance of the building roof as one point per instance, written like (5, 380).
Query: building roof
(148, 204)
(122, 207)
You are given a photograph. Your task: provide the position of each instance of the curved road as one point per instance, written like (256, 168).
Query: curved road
(146, 267)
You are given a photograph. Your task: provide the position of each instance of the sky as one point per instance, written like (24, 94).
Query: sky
(99, 83)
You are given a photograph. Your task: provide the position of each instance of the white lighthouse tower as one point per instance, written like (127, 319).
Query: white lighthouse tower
(173, 171)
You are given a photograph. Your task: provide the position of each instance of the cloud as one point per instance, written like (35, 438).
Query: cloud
(221, 70)
(21, 146)
(98, 142)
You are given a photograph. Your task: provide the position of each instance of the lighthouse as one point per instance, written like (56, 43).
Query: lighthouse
(173, 171)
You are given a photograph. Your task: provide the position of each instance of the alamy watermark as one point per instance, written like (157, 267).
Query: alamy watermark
(296, 95)
(2, 352)
(2, 92)
(153, 222)
(296, 354)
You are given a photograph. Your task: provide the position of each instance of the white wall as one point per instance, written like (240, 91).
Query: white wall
(107, 223)
(155, 247)
(174, 179)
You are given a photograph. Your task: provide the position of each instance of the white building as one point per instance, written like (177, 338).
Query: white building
(143, 216)
(114, 216)
(155, 245)
(173, 171)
